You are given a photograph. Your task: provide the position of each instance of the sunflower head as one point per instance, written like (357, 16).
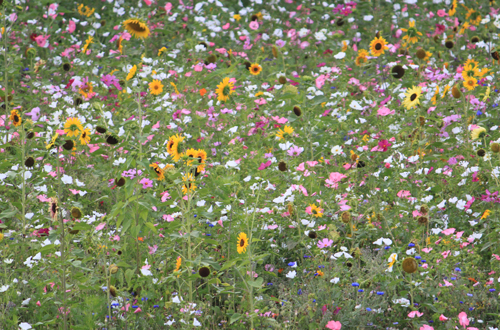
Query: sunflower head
(15, 117)
(242, 243)
(410, 265)
(255, 69)
(136, 28)
(478, 133)
(224, 90)
(377, 46)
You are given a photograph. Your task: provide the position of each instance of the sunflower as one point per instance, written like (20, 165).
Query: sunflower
(202, 156)
(178, 265)
(288, 130)
(119, 45)
(161, 50)
(73, 127)
(377, 46)
(478, 133)
(85, 11)
(224, 90)
(470, 83)
(87, 90)
(242, 243)
(190, 186)
(453, 8)
(53, 208)
(475, 17)
(255, 69)
(316, 211)
(175, 87)
(173, 145)
(87, 44)
(427, 56)
(159, 171)
(411, 33)
(15, 118)
(52, 141)
(156, 87)
(363, 52)
(136, 28)
(412, 97)
(473, 63)
(131, 72)
(360, 60)
(85, 137)
(436, 94)
(191, 154)
(446, 90)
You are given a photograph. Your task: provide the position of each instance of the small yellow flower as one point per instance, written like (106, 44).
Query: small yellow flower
(161, 50)
(485, 214)
(237, 17)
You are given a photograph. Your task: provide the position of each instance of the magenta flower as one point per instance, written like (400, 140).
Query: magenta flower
(324, 243)
(384, 144)
(264, 165)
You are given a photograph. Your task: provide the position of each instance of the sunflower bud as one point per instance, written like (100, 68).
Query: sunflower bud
(346, 217)
(481, 152)
(111, 139)
(113, 269)
(100, 129)
(313, 234)
(275, 51)
(449, 44)
(282, 80)
(282, 166)
(297, 111)
(76, 212)
(423, 220)
(421, 54)
(66, 67)
(204, 271)
(398, 71)
(112, 290)
(456, 92)
(495, 147)
(120, 182)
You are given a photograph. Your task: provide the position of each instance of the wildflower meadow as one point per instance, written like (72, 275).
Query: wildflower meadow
(249, 164)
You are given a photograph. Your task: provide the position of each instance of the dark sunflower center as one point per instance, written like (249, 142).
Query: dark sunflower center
(413, 97)
(156, 87)
(242, 242)
(16, 118)
(170, 144)
(136, 27)
(84, 135)
(54, 208)
(255, 69)
(378, 46)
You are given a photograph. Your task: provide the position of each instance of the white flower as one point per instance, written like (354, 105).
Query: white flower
(4, 288)
(336, 150)
(402, 301)
(340, 56)
(66, 179)
(26, 302)
(8, 261)
(291, 274)
(335, 280)
(382, 240)
(196, 323)
(25, 326)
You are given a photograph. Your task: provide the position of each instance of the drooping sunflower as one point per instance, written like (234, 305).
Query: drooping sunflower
(15, 117)
(287, 130)
(377, 46)
(73, 127)
(473, 63)
(224, 90)
(242, 243)
(52, 141)
(156, 87)
(131, 72)
(360, 60)
(173, 146)
(53, 208)
(189, 186)
(87, 44)
(412, 33)
(85, 137)
(470, 83)
(412, 97)
(159, 171)
(136, 28)
(255, 69)
(478, 133)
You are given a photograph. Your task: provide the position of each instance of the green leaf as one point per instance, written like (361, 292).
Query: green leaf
(257, 283)
(235, 317)
(152, 227)
(8, 213)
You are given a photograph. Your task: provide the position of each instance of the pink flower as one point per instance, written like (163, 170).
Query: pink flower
(462, 318)
(384, 111)
(146, 183)
(254, 25)
(42, 41)
(264, 165)
(325, 242)
(442, 13)
(100, 226)
(71, 26)
(443, 318)
(426, 327)
(334, 325)
(448, 231)
(384, 144)
(138, 310)
(152, 250)
(415, 313)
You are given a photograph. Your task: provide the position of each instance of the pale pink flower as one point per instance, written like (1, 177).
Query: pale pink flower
(462, 318)
(334, 325)
(415, 313)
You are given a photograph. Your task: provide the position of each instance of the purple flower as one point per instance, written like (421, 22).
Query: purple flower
(34, 113)
(280, 43)
(109, 80)
(295, 151)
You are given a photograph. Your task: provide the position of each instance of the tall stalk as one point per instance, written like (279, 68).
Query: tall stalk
(63, 241)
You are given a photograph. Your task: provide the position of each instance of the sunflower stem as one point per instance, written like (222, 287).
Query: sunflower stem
(63, 242)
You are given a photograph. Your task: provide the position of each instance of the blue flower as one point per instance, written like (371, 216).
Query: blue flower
(418, 257)
(361, 290)
(380, 293)
(492, 290)
(291, 264)
(299, 292)
(368, 309)
(411, 245)
(458, 269)
(355, 284)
